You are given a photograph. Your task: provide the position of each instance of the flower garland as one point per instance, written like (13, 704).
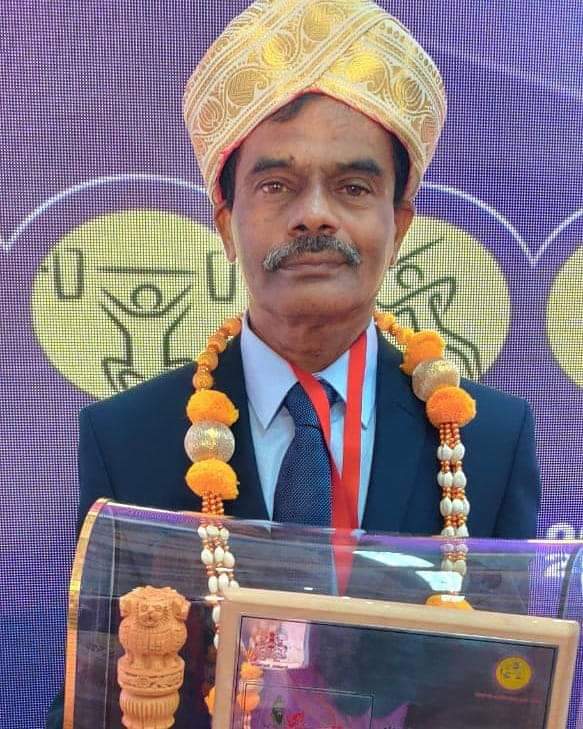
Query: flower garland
(210, 444)
(436, 381)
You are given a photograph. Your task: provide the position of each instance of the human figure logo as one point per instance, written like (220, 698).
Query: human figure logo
(446, 280)
(129, 295)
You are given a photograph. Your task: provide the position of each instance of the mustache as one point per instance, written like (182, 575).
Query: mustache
(279, 254)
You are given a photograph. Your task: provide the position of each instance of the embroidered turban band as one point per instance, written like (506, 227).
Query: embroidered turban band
(277, 50)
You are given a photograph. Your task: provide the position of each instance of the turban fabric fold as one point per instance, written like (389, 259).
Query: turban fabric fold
(277, 50)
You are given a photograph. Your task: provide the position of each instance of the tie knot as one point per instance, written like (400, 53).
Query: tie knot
(300, 406)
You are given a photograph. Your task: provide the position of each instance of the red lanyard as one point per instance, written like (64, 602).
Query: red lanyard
(345, 487)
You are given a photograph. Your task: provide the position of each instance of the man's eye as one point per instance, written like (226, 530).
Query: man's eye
(273, 187)
(355, 190)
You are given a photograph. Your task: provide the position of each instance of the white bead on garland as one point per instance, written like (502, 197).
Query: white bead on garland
(454, 505)
(436, 381)
(219, 563)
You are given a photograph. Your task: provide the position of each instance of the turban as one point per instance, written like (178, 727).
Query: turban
(277, 50)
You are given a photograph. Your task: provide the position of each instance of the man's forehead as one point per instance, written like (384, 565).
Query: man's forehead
(321, 130)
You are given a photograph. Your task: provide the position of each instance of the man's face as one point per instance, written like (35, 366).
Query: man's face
(327, 171)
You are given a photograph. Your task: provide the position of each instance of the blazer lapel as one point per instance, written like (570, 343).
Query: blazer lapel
(400, 434)
(229, 378)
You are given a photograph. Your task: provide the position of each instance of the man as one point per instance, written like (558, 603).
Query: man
(313, 123)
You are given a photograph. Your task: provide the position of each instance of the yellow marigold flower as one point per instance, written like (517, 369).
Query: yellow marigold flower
(212, 476)
(249, 672)
(211, 405)
(450, 405)
(248, 701)
(421, 346)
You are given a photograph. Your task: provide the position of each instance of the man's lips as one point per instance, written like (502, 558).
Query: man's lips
(325, 259)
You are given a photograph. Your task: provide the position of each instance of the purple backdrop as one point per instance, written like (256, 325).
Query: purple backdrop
(105, 243)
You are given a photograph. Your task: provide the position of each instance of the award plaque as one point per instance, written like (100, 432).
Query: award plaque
(299, 661)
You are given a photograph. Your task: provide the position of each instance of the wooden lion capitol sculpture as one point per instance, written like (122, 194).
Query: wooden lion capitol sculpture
(151, 672)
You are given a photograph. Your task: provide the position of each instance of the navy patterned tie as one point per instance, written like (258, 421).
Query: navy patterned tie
(303, 493)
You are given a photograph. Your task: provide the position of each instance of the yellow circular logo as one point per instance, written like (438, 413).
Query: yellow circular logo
(513, 673)
(128, 295)
(565, 317)
(446, 280)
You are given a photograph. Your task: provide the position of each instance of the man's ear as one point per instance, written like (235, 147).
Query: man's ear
(404, 214)
(222, 216)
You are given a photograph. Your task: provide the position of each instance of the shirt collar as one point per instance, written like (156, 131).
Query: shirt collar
(268, 377)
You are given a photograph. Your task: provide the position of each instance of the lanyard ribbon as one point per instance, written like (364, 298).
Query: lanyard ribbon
(345, 486)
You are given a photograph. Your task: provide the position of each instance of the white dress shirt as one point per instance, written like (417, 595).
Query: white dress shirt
(268, 379)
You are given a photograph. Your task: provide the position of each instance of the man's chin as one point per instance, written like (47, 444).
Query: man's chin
(315, 304)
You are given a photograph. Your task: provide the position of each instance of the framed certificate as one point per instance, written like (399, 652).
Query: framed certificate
(298, 661)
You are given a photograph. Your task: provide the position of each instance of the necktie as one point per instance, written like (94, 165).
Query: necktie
(303, 493)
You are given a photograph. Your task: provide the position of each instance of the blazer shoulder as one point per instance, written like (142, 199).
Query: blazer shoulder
(161, 394)
(491, 400)
(491, 403)
(163, 398)
(503, 424)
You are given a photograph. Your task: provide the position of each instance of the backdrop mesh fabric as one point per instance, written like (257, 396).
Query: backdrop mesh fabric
(111, 272)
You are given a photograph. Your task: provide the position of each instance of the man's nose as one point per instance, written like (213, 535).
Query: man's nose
(313, 212)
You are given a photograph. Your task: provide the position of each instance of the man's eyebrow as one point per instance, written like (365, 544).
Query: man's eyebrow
(366, 165)
(265, 164)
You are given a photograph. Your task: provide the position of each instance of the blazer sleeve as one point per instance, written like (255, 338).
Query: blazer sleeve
(55, 716)
(94, 479)
(517, 518)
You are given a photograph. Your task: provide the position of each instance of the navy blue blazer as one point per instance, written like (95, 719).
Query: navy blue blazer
(131, 450)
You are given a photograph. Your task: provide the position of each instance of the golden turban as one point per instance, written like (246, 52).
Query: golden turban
(276, 50)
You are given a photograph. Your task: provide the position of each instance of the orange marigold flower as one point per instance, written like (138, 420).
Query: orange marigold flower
(209, 700)
(249, 672)
(211, 405)
(450, 405)
(421, 346)
(212, 476)
(248, 701)
(385, 321)
(402, 334)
